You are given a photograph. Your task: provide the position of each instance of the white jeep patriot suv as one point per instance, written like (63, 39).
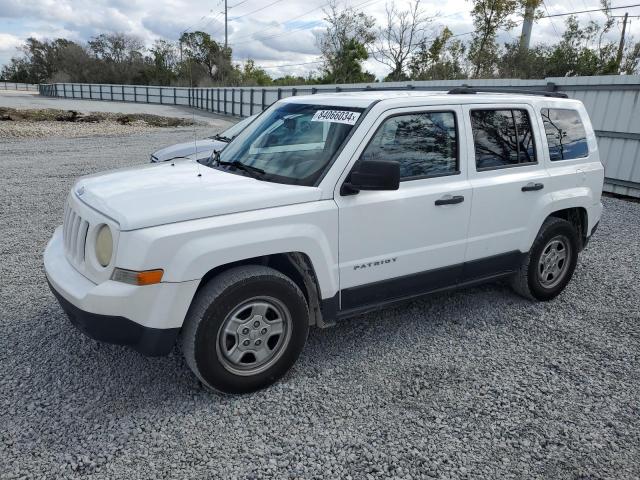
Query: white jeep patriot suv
(327, 206)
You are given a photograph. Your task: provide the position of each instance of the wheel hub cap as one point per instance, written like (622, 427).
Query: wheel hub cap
(554, 262)
(253, 335)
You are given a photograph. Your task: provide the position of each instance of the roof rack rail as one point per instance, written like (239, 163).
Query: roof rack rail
(408, 86)
(467, 90)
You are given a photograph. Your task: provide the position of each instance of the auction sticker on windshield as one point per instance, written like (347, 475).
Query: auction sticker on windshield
(336, 116)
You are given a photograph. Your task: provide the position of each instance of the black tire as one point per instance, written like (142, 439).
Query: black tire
(527, 281)
(205, 343)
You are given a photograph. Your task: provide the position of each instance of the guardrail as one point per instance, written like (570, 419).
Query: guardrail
(18, 86)
(612, 103)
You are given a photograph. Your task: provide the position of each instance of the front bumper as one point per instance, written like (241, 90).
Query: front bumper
(119, 330)
(146, 318)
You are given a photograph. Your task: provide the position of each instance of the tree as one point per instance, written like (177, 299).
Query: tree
(631, 60)
(516, 62)
(347, 67)
(344, 45)
(164, 60)
(39, 61)
(443, 59)
(402, 35)
(116, 47)
(578, 52)
(210, 57)
(75, 64)
(252, 75)
(311, 79)
(608, 24)
(489, 16)
(119, 57)
(581, 51)
(17, 70)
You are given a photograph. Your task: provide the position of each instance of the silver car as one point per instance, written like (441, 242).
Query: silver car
(201, 149)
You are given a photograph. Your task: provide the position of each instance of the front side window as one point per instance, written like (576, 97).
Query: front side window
(290, 143)
(424, 144)
(502, 138)
(566, 136)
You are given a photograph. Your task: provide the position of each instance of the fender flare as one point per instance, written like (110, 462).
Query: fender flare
(579, 197)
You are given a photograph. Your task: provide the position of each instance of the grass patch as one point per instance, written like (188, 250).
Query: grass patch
(52, 114)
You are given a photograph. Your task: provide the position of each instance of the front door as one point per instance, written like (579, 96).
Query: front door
(396, 244)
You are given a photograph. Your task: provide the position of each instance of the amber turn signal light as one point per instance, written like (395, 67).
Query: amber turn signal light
(146, 277)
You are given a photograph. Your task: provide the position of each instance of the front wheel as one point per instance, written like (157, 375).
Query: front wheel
(549, 265)
(245, 329)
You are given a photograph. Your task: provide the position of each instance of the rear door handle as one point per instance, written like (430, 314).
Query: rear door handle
(532, 187)
(450, 200)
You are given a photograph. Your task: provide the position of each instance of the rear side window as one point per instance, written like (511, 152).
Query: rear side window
(502, 138)
(566, 135)
(424, 144)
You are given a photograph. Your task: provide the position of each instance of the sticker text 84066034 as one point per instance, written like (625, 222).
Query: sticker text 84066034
(336, 116)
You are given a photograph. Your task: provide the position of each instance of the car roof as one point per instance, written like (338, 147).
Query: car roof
(365, 98)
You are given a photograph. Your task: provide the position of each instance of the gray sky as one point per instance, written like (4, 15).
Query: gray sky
(272, 32)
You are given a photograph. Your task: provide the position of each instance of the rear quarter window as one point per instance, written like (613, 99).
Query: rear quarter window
(566, 136)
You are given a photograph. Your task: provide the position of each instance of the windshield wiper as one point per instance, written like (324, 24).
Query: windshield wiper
(240, 166)
(222, 138)
(214, 160)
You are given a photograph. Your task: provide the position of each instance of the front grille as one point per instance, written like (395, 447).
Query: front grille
(74, 234)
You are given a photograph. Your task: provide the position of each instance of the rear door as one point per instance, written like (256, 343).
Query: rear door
(395, 244)
(508, 177)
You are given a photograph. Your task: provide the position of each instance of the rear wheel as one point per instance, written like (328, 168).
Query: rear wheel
(245, 329)
(549, 266)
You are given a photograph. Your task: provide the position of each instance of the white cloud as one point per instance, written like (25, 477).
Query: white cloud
(9, 44)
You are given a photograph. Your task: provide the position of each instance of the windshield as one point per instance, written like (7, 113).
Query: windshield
(290, 143)
(234, 130)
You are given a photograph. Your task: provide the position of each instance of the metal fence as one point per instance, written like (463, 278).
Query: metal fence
(612, 102)
(19, 86)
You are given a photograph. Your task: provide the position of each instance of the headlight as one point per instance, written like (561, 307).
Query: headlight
(104, 245)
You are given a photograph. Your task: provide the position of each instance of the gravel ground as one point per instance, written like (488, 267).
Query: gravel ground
(474, 384)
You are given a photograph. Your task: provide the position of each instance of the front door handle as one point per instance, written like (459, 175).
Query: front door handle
(450, 200)
(532, 187)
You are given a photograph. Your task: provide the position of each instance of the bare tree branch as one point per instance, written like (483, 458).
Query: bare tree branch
(400, 37)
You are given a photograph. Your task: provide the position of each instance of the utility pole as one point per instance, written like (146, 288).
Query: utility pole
(527, 25)
(621, 46)
(226, 40)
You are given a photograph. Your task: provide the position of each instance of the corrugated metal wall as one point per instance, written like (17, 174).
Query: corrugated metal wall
(614, 108)
(612, 103)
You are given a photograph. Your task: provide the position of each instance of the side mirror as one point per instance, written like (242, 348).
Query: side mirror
(372, 175)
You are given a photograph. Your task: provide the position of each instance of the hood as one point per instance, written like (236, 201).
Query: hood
(205, 148)
(157, 194)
